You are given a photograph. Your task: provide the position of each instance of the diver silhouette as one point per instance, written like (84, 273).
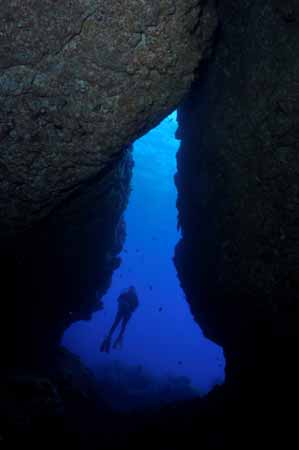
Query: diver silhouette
(127, 304)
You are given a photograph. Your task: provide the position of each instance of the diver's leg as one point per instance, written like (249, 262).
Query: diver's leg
(105, 347)
(118, 341)
(115, 324)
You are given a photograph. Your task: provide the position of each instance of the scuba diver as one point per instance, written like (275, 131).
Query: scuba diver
(127, 304)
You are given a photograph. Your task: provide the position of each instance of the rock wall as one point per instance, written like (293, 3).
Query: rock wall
(56, 273)
(79, 80)
(238, 174)
(237, 182)
(53, 275)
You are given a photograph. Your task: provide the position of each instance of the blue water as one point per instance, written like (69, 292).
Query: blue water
(166, 341)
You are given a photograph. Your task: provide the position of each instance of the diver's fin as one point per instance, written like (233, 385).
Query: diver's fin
(105, 347)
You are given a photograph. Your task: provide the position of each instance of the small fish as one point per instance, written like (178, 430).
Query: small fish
(160, 309)
(150, 287)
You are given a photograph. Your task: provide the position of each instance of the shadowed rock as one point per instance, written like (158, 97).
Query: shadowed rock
(238, 203)
(79, 80)
(57, 272)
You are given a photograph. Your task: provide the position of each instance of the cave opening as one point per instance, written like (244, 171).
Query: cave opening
(165, 356)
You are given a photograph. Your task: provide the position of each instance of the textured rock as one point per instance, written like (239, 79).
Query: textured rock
(238, 170)
(81, 79)
(238, 183)
(58, 401)
(28, 402)
(56, 273)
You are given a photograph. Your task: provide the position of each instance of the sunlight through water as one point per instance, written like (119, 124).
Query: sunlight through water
(162, 335)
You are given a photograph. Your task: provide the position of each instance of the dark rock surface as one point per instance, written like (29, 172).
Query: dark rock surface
(237, 260)
(57, 272)
(238, 173)
(52, 275)
(128, 388)
(79, 80)
(57, 402)
(37, 401)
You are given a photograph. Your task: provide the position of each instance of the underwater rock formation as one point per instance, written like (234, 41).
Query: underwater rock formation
(237, 185)
(57, 272)
(79, 80)
(52, 275)
(238, 174)
(35, 404)
(135, 389)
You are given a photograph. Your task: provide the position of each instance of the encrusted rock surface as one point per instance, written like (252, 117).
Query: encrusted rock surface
(81, 79)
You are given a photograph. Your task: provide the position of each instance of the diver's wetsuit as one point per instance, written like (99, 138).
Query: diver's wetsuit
(127, 304)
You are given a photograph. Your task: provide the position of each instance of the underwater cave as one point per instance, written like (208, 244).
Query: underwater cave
(97, 195)
(163, 343)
